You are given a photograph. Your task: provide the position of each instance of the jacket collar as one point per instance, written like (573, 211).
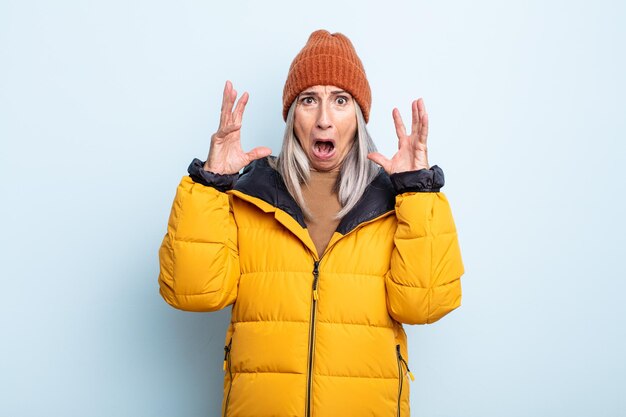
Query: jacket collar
(261, 181)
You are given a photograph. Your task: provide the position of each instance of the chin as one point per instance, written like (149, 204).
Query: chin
(325, 166)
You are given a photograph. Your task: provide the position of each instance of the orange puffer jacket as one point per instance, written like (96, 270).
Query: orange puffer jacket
(312, 336)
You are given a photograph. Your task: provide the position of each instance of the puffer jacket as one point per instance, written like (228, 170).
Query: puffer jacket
(312, 336)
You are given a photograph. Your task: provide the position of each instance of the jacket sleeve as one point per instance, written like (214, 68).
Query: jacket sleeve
(199, 260)
(423, 282)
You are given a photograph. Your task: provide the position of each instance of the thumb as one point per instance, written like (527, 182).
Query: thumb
(258, 153)
(379, 159)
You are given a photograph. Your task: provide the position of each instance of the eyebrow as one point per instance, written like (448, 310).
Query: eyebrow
(313, 93)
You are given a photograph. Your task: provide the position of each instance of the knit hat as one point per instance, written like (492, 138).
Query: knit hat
(328, 59)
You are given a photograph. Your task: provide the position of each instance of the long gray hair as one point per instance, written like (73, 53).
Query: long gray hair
(356, 173)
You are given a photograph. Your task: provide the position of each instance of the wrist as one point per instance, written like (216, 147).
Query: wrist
(212, 168)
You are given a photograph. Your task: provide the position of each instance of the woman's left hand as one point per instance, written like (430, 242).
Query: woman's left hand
(412, 153)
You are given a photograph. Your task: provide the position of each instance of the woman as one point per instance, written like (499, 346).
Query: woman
(322, 253)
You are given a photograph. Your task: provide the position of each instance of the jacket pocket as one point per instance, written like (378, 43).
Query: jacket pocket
(227, 368)
(402, 365)
(400, 377)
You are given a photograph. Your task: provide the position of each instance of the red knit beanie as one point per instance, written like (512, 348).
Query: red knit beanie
(328, 59)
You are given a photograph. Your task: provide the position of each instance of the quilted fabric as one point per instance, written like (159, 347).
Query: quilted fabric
(311, 336)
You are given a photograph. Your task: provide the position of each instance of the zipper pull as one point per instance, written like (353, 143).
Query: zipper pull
(226, 352)
(408, 371)
(316, 274)
(411, 375)
(225, 357)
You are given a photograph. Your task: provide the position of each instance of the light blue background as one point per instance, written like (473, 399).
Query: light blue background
(104, 104)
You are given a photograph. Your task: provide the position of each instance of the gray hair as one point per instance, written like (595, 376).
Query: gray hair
(356, 173)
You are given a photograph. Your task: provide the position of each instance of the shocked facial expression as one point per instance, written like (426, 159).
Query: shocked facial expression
(325, 125)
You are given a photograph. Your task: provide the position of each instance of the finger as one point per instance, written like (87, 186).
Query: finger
(415, 117)
(423, 129)
(228, 129)
(421, 111)
(240, 107)
(421, 106)
(379, 159)
(397, 120)
(225, 98)
(258, 153)
(228, 108)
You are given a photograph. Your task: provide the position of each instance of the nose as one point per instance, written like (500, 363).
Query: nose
(324, 120)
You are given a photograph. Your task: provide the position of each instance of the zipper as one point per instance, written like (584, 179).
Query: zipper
(398, 356)
(230, 374)
(401, 375)
(316, 274)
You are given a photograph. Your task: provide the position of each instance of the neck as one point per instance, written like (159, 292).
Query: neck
(323, 179)
(320, 196)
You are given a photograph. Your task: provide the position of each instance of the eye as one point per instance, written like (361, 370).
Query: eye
(307, 100)
(342, 100)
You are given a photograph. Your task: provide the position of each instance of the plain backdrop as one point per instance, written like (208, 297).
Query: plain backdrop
(104, 104)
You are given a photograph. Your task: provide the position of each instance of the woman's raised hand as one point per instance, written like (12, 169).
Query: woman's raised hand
(225, 154)
(412, 153)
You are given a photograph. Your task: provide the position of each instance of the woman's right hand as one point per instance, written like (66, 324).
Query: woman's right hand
(225, 154)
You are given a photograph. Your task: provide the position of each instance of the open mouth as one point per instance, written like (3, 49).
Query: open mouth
(323, 149)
